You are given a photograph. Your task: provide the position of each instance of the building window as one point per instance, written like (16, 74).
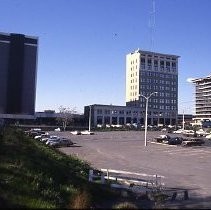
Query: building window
(99, 111)
(128, 112)
(114, 112)
(143, 60)
(107, 111)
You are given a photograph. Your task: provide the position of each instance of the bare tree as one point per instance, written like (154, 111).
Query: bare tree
(66, 115)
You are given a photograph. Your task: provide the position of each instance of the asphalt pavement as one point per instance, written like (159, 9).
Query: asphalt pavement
(183, 168)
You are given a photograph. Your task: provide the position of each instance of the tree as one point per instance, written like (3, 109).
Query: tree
(66, 115)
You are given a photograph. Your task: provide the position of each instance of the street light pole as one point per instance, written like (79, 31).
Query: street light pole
(90, 118)
(183, 120)
(147, 101)
(145, 133)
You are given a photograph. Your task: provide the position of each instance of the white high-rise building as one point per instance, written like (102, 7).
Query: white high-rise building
(202, 98)
(148, 72)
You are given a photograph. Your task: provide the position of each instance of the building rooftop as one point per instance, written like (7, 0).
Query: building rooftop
(201, 79)
(149, 52)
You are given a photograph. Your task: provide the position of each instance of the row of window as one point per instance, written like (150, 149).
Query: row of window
(158, 81)
(156, 60)
(158, 75)
(155, 68)
(133, 93)
(157, 88)
(134, 74)
(161, 100)
(129, 112)
(133, 80)
(134, 87)
(160, 107)
(162, 68)
(161, 94)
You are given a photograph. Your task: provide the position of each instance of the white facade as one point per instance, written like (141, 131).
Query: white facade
(113, 115)
(202, 98)
(148, 72)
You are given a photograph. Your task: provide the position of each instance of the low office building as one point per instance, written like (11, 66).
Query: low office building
(119, 115)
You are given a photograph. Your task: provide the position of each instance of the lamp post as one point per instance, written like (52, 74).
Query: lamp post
(183, 120)
(147, 100)
(90, 118)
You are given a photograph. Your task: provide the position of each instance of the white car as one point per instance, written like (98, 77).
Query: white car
(201, 132)
(75, 132)
(52, 139)
(87, 133)
(178, 131)
(208, 136)
(39, 137)
(189, 133)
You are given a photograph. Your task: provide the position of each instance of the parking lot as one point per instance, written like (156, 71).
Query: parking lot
(182, 167)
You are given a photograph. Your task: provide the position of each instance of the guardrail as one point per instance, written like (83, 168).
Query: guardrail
(136, 182)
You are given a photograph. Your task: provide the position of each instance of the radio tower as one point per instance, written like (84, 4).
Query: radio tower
(152, 25)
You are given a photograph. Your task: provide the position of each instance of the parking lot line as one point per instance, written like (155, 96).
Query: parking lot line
(152, 142)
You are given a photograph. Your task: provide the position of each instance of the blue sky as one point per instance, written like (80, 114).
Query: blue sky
(83, 44)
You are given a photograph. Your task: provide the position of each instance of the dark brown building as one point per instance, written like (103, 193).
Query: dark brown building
(18, 69)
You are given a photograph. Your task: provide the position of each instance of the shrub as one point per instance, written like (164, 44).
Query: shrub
(125, 205)
(81, 200)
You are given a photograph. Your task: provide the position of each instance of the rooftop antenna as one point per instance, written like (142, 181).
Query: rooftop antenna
(152, 25)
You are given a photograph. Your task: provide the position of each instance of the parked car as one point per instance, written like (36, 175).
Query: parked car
(193, 142)
(162, 138)
(178, 131)
(45, 137)
(75, 132)
(62, 142)
(39, 137)
(87, 133)
(164, 130)
(36, 129)
(175, 140)
(208, 136)
(201, 132)
(189, 133)
(33, 134)
(52, 139)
